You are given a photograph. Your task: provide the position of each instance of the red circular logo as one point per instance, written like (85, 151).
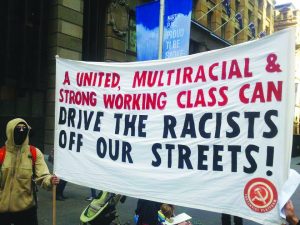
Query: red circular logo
(260, 195)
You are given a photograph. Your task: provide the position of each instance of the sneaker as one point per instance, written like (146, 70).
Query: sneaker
(60, 198)
(64, 197)
(89, 199)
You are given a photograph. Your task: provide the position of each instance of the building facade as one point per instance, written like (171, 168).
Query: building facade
(94, 30)
(258, 12)
(286, 16)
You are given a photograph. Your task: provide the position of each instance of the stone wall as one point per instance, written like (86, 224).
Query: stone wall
(65, 40)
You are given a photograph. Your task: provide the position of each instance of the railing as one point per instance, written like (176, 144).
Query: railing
(288, 21)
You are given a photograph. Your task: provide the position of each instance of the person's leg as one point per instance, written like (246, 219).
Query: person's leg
(5, 219)
(225, 219)
(61, 186)
(26, 217)
(93, 193)
(237, 220)
(60, 190)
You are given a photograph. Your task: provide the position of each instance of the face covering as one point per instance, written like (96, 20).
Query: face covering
(20, 133)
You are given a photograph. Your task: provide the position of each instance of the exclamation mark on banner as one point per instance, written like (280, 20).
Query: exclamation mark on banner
(270, 159)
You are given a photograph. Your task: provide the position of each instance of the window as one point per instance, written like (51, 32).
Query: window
(295, 13)
(237, 5)
(236, 36)
(250, 16)
(195, 6)
(22, 41)
(223, 29)
(268, 10)
(259, 26)
(131, 33)
(93, 43)
(209, 20)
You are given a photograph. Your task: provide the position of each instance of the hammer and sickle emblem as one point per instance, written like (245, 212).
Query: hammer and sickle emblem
(258, 191)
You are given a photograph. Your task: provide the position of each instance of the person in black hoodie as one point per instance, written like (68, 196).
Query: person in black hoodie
(147, 212)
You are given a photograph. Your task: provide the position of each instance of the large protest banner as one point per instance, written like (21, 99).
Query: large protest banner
(211, 131)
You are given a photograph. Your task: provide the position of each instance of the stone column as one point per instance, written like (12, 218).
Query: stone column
(65, 39)
(200, 9)
(217, 17)
(243, 36)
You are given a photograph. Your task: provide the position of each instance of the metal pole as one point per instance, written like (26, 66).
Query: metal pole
(222, 25)
(227, 21)
(237, 33)
(209, 11)
(161, 27)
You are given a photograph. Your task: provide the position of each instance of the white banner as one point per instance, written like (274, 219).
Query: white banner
(211, 131)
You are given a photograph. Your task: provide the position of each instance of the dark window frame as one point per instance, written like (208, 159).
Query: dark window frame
(131, 31)
(94, 20)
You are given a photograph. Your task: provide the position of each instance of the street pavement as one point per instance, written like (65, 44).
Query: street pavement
(69, 211)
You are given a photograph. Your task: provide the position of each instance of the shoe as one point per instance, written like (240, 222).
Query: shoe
(60, 198)
(89, 199)
(64, 197)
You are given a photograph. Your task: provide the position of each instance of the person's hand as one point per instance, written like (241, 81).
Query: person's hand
(291, 217)
(54, 180)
